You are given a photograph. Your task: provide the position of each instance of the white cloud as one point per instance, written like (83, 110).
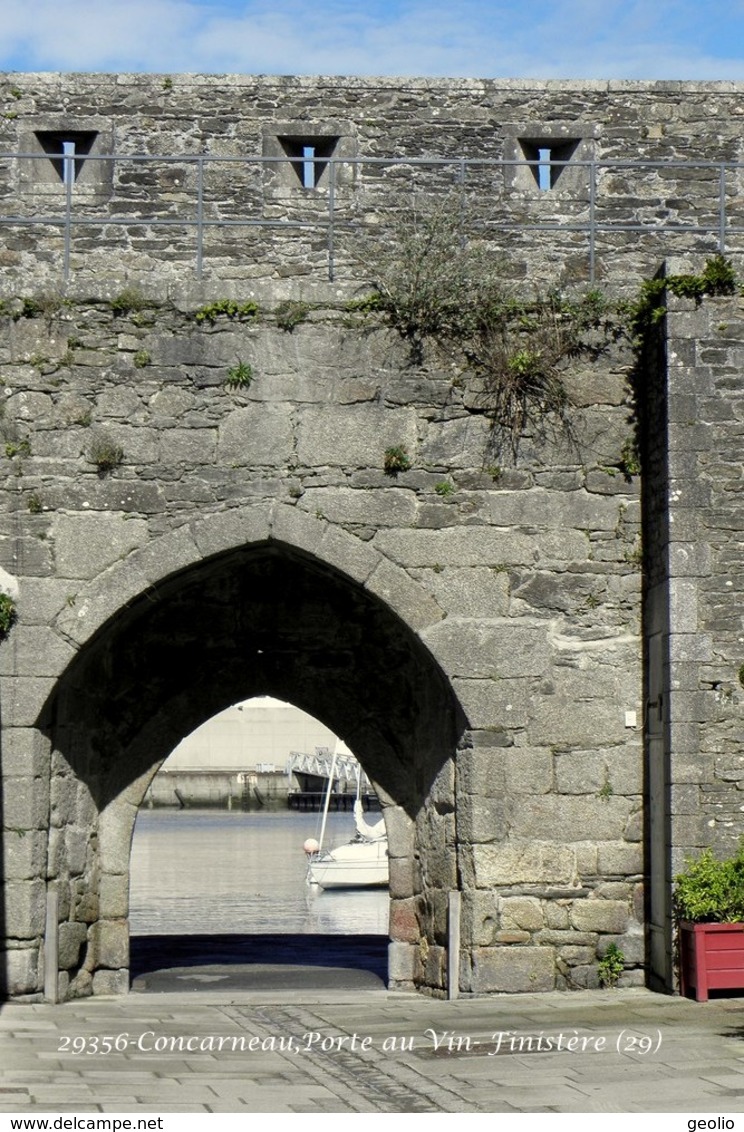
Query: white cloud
(543, 38)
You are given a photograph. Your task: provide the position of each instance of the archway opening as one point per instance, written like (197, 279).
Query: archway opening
(266, 619)
(220, 888)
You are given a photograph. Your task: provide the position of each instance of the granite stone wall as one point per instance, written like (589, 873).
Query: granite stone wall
(198, 508)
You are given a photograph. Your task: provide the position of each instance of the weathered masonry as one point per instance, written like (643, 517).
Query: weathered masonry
(226, 474)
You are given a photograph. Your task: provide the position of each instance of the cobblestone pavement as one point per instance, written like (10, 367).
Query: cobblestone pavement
(621, 1051)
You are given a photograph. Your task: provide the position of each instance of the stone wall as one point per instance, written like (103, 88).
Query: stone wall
(471, 626)
(526, 594)
(215, 158)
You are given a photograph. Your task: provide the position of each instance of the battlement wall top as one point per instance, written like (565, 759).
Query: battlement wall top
(245, 178)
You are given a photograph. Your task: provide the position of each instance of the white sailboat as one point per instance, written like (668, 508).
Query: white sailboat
(360, 863)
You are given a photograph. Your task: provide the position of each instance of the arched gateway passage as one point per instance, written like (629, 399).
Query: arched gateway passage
(265, 618)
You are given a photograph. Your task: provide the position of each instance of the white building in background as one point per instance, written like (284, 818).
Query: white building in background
(260, 731)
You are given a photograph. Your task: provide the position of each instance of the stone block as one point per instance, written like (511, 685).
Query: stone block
(481, 772)
(354, 436)
(63, 795)
(556, 915)
(25, 909)
(572, 938)
(256, 436)
(174, 551)
(600, 916)
(89, 542)
(109, 943)
(37, 651)
(348, 553)
(687, 559)
(356, 506)
(119, 402)
(93, 604)
(475, 591)
(236, 527)
(614, 890)
(690, 647)
(113, 892)
(404, 925)
(626, 768)
(587, 859)
(482, 820)
(110, 982)
(581, 977)
(502, 703)
(85, 907)
(402, 877)
(511, 970)
(19, 972)
(441, 868)
(683, 605)
(460, 546)
(434, 962)
(480, 917)
(24, 855)
(455, 444)
(442, 792)
(404, 596)
(523, 912)
(580, 772)
(559, 721)
(23, 698)
(472, 648)
(72, 936)
(42, 599)
(528, 770)
(170, 404)
(575, 956)
(563, 510)
(565, 817)
(620, 859)
(400, 830)
(404, 968)
(25, 753)
(26, 803)
(529, 862)
(189, 447)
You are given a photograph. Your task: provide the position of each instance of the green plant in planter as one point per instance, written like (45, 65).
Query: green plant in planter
(709, 904)
(711, 890)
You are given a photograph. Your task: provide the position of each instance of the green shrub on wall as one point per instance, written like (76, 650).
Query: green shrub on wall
(8, 615)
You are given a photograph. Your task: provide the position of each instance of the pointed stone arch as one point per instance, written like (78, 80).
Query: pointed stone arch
(247, 602)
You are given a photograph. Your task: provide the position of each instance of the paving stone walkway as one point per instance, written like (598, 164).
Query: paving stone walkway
(368, 1050)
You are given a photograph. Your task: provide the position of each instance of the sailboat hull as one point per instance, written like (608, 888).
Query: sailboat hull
(360, 864)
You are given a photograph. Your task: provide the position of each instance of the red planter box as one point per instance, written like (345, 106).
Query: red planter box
(711, 957)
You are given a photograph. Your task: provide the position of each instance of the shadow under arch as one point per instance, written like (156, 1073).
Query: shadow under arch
(264, 619)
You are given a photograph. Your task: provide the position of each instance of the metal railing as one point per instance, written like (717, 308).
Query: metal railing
(707, 184)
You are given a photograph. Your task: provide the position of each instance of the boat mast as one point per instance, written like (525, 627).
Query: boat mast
(327, 800)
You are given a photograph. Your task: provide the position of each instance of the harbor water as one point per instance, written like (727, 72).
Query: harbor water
(222, 872)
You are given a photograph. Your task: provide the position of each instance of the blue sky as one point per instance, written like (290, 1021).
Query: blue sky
(625, 39)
